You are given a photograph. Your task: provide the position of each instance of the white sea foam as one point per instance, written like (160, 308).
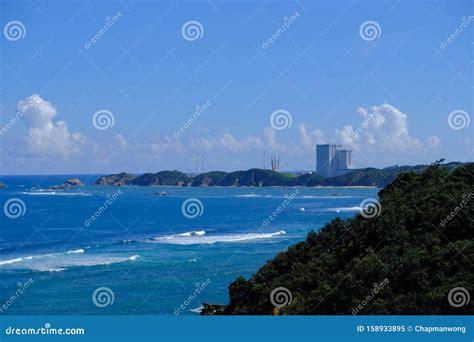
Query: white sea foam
(75, 251)
(180, 239)
(248, 195)
(345, 209)
(197, 310)
(193, 233)
(326, 197)
(55, 270)
(57, 262)
(55, 193)
(10, 261)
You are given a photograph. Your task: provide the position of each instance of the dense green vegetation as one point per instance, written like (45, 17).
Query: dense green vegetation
(260, 177)
(162, 178)
(117, 180)
(422, 242)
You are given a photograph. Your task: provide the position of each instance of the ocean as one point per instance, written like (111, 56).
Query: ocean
(103, 250)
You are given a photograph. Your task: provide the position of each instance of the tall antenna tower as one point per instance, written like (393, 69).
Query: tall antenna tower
(202, 162)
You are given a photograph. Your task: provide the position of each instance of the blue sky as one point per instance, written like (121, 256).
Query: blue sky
(388, 97)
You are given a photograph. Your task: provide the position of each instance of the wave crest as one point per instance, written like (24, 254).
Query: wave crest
(185, 239)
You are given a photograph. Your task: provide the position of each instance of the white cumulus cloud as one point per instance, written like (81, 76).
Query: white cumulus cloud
(46, 137)
(311, 139)
(382, 129)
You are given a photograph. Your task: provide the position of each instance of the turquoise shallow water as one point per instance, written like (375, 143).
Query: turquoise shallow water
(142, 247)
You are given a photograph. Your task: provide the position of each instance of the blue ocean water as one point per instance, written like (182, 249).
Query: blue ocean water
(142, 247)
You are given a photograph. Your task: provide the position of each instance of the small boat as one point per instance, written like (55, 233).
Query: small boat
(301, 209)
(162, 193)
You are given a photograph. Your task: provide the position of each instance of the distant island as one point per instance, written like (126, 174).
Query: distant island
(264, 178)
(414, 258)
(69, 184)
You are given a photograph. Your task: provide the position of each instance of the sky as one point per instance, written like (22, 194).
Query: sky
(141, 86)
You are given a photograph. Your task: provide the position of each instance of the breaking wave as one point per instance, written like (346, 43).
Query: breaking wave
(55, 193)
(57, 262)
(345, 209)
(193, 239)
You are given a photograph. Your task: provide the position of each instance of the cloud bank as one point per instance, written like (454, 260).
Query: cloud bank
(382, 129)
